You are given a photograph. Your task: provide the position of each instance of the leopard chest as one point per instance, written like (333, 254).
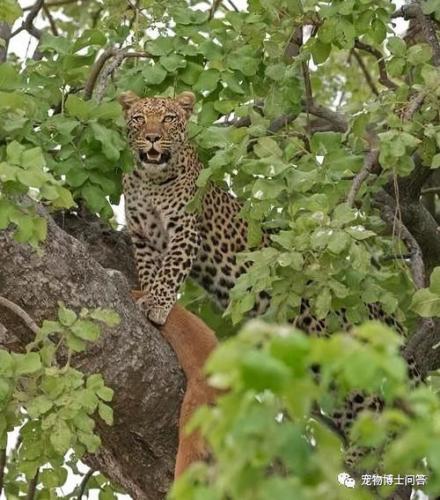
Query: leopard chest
(151, 209)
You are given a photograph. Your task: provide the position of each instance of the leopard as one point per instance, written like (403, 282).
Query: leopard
(170, 242)
(173, 243)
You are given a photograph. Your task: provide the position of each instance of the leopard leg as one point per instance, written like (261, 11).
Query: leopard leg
(183, 245)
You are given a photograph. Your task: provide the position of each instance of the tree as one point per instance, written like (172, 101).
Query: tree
(323, 119)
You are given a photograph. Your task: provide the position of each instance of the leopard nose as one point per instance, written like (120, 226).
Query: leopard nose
(153, 137)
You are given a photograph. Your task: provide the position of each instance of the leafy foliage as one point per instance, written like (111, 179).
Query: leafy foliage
(262, 134)
(53, 404)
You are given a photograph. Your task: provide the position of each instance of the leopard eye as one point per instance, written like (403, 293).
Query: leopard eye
(168, 118)
(136, 119)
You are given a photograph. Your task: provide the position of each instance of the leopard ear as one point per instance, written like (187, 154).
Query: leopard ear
(186, 101)
(127, 99)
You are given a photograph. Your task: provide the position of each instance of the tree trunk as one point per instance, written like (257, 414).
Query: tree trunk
(138, 450)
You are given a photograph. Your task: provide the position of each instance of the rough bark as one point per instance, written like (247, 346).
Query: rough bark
(138, 450)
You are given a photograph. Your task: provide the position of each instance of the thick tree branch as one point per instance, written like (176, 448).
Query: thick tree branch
(138, 450)
(429, 32)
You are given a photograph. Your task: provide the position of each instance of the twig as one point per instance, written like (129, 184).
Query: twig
(30, 323)
(2, 468)
(57, 3)
(32, 487)
(383, 75)
(215, 5)
(369, 163)
(28, 22)
(53, 26)
(434, 190)
(234, 7)
(365, 71)
(429, 32)
(84, 482)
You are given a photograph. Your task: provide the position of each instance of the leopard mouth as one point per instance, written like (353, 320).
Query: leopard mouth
(154, 157)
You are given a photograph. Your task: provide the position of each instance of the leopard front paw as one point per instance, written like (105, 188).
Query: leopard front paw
(158, 315)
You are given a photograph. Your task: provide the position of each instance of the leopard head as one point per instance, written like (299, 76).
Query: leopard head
(156, 126)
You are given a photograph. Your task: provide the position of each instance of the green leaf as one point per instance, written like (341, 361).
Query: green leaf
(435, 163)
(434, 285)
(10, 11)
(39, 406)
(154, 74)
(86, 330)
(53, 478)
(425, 303)
(108, 316)
(359, 232)
(14, 152)
(9, 77)
(28, 363)
(396, 46)
(173, 62)
(6, 363)
(79, 108)
(105, 393)
(109, 140)
(66, 316)
(320, 51)
(260, 371)
(207, 80)
(106, 413)
(161, 46)
(61, 437)
(419, 53)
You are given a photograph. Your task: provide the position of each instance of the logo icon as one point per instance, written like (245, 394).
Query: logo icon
(346, 480)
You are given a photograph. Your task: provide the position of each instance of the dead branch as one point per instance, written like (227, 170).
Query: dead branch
(21, 313)
(383, 75)
(99, 65)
